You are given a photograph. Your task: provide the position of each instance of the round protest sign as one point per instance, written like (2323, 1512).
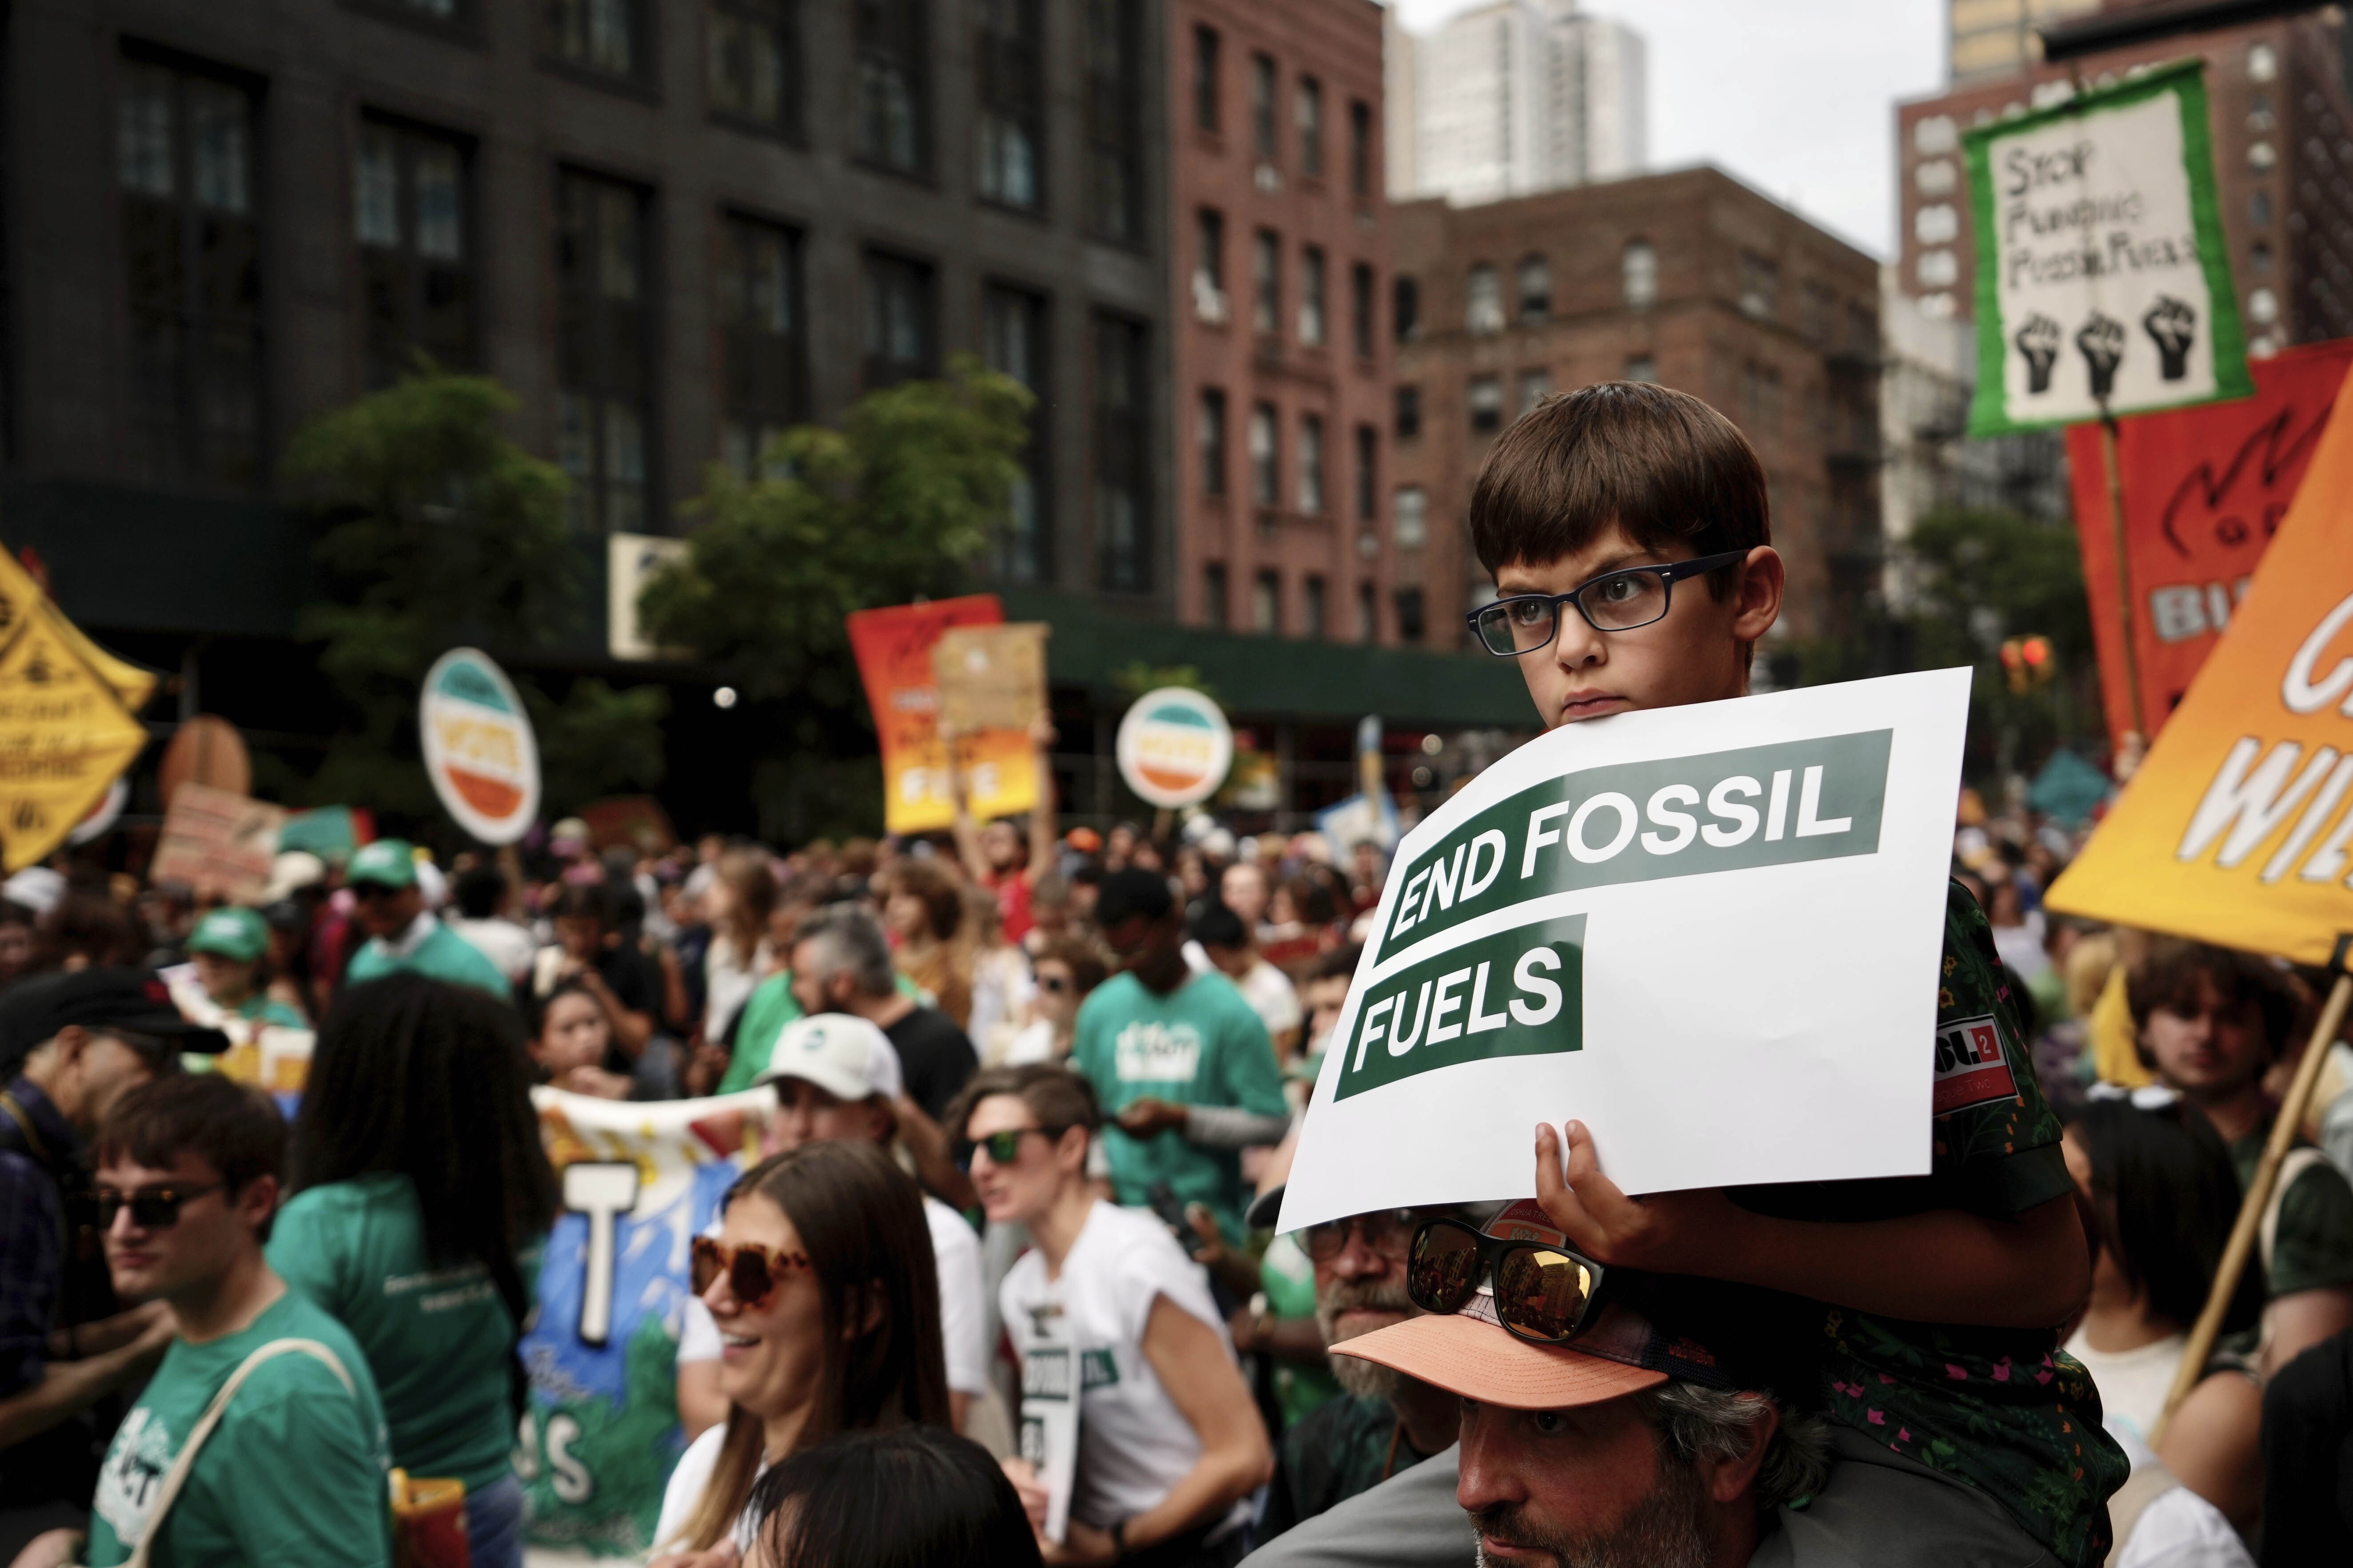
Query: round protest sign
(478, 749)
(1175, 747)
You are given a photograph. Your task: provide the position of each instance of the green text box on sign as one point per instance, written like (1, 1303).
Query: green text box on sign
(1514, 994)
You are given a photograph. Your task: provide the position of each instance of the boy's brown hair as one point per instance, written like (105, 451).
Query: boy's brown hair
(2169, 976)
(1663, 464)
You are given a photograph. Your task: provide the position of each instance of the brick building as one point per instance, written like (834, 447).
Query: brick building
(1281, 276)
(1689, 278)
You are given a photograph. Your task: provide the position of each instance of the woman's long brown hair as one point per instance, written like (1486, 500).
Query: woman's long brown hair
(860, 1220)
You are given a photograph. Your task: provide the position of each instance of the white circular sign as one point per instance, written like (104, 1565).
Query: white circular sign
(479, 748)
(1175, 747)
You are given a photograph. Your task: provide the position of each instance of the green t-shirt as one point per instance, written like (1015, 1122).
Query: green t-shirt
(443, 954)
(770, 1008)
(438, 1340)
(2313, 1249)
(1287, 1275)
(294, 1472)
(263, 1008)
(1199, 1045)
(2005, 1410)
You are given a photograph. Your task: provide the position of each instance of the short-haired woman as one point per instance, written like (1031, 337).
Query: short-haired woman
(822, 1284)
(1170, 1445)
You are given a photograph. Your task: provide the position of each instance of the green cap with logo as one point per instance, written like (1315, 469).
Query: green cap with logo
(232, 933)
(386, 863)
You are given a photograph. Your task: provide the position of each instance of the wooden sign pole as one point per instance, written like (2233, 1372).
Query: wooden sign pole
(2259, 1191)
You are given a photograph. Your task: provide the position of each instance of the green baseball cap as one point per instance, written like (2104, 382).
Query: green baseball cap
(232, 933)
(387, 863)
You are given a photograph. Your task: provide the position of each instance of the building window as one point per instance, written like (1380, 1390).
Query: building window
(1209, 106)
(1368, 449)
(1013, 343)
(760, 316)
(1406, 307)
(1368, 614)
(1262, 134)
(1938, 223)
(416, 265)
(1114, 126)
(1483, 300)
(1266, 280)
(1760, 285)
(891, 88)
(1214, 607)
(1408, 412)
(756, 63)
(191, 249)
(1535, 288)
(1265, 457)
(1308, 105)
(1818, 312)
(1312, 614)
(1312, 324)
(1536, 385)
(1410, 626)
(1486, 401)
(1311, 464)
(899, 317)
(2259, 258)
(1266, 603)
(1641, 367)
(606, 35)
(1209, 265)
(1637, 268)
(1209, 437)
(1122, 455)
(605, 409)
(1360, 149)
(1412, 517)
(1360, 310)
(2259, 209)
(1761, 396)
(1007, 46)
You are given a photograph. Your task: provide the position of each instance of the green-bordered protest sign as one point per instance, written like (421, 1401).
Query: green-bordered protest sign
(2103, 281)
(1710, 933)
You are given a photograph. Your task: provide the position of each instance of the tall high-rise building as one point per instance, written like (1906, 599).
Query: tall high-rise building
(1514, 97)
(1994, 39)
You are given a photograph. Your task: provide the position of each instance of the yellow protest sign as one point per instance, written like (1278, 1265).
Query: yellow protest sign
(2237, 829)
(22, 601)
(64, 736)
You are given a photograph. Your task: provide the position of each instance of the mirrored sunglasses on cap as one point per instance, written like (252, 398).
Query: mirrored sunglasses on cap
(1543, 1291)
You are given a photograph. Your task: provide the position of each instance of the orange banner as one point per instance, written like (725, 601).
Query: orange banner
(894, 660)
(2236, 829)
(2204, 492)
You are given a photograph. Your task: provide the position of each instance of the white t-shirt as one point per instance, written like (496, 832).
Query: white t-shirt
(1134, 1445)
(2132, 1384)
(503, 942)
(955, 1250)
(1267, 989)
(686, 1484)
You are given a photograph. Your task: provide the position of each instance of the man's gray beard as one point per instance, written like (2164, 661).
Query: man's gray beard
(1365, 1379)
(1660, 1532)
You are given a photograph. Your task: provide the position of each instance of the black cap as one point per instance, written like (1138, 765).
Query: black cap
(135, 1001)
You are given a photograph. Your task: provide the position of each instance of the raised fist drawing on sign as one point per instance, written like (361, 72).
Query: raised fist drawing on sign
(2102, 339)
(2039, 340)
(2172, 326)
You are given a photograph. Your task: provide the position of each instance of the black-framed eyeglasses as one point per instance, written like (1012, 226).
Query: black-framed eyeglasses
(1544, 1293)
(1383, 1230)
(152, 1208)
(1616, 600)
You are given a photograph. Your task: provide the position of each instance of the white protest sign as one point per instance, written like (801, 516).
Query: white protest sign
(2103, 281)
(1050, 1413)
(1710, 933)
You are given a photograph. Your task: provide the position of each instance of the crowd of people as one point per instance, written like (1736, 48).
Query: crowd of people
(1028, 1099)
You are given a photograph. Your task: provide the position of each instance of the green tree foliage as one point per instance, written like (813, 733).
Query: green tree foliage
(895, 505)
(438, 530)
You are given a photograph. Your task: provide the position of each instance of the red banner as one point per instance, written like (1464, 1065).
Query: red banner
(2204, 490)
(894, 659)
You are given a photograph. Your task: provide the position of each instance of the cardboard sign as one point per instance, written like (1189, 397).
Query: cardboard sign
(2103, 280)
(218, 843)
(991, 677)
(640, 1182)
(1710, 933)
(895, 650)
(2204, 490)
(1175, 747)
(2236, 829)
(478, 746)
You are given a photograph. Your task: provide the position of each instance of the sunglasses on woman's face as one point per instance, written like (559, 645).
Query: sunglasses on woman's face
(1003, 1147)
(152, 1208)
(753, 1272)
(1544, 1293)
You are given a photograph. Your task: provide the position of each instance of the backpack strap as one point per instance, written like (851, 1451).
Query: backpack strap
(177, 1475)
(25, 1130)
(2300, 1158)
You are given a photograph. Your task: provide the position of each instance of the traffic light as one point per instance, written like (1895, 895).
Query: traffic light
(2031, 662)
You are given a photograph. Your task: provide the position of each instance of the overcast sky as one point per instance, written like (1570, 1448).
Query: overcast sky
(1793, 96)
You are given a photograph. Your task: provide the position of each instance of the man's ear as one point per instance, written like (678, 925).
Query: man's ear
(256, 1200)
(1071, 1147)
(1728, 1480)
(1758, 602)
